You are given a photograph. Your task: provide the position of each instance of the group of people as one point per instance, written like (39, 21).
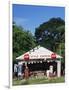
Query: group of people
(17, 73)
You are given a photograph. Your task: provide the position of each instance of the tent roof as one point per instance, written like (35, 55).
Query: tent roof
(39, 52)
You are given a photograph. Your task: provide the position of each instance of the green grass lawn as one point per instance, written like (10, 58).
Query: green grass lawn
(38, 81)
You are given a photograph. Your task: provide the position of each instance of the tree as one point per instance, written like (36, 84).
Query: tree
(50, 32)
(23, 41)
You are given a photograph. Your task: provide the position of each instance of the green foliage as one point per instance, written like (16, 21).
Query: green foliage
(23, 41)
(51, 34)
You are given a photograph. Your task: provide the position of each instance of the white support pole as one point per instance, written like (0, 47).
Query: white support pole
(58, 68)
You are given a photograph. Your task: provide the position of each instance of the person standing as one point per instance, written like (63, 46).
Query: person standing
(15, 70)
(26, 72)
(19, 71)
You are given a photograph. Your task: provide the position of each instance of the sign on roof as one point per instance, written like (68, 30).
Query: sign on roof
(26, 57)
(53, 56)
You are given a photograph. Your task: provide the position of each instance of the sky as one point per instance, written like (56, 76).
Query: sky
(31, 16)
